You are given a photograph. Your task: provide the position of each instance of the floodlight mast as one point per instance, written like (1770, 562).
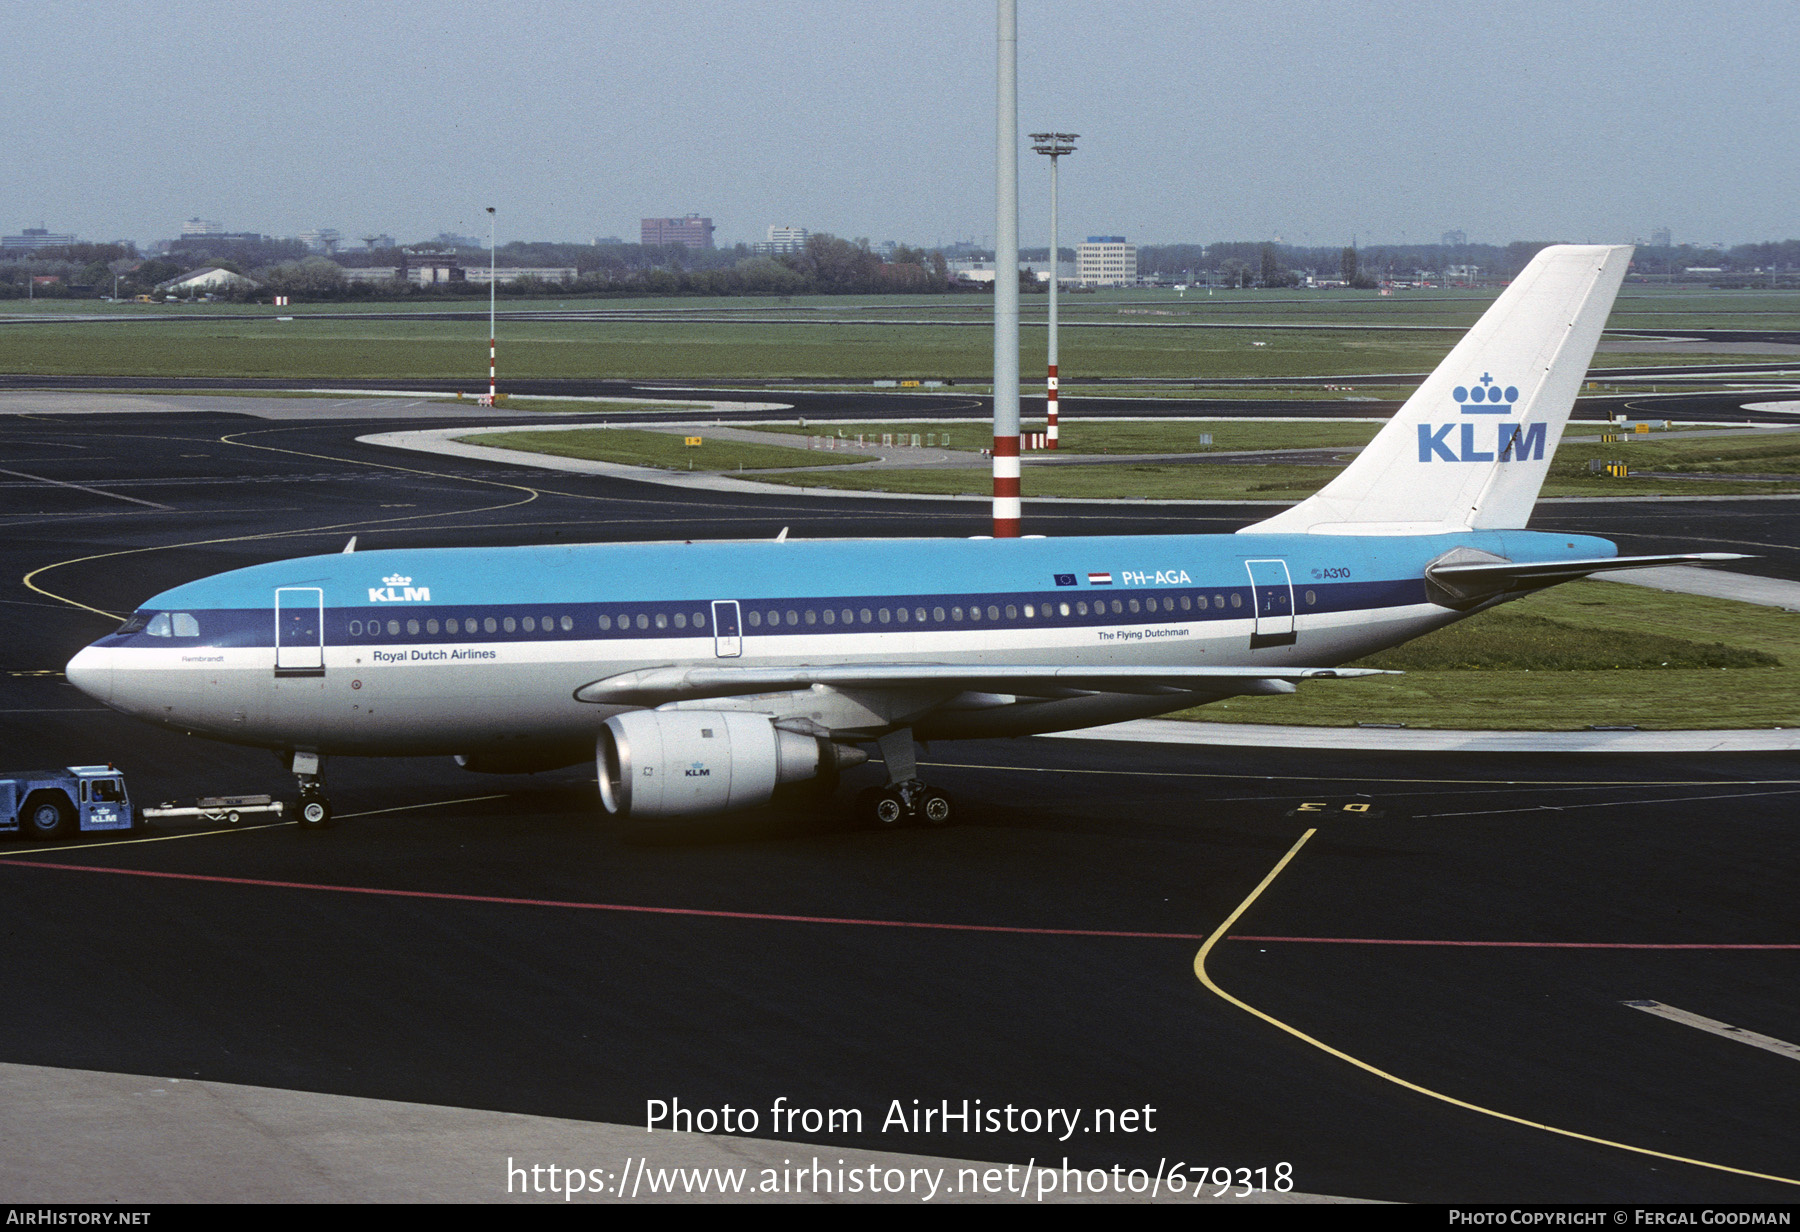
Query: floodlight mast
(1055, 145)
(491, 272)
(1006, 277)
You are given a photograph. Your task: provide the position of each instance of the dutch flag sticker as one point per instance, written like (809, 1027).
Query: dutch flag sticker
(1099, 579)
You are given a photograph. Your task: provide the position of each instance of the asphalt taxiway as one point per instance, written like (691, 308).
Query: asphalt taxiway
(1404, 975)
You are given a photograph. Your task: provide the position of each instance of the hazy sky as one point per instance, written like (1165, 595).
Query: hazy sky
(1247, 119)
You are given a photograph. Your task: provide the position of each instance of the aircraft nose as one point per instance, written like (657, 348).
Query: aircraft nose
(91, 671)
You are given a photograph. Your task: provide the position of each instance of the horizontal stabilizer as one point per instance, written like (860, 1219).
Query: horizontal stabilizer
(1470, 583)
(657, 685)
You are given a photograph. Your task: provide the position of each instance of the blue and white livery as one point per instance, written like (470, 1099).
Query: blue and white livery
(704, 676)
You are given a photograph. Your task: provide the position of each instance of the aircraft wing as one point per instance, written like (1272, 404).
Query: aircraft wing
(655, 686)
(1479, 580)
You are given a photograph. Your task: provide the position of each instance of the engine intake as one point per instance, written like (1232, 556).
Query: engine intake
(688, 763)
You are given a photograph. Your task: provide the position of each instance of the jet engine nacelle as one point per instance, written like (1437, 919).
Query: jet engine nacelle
(688, 763)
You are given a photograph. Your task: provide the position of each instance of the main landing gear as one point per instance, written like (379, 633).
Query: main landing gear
(314, 810)
(906, 800)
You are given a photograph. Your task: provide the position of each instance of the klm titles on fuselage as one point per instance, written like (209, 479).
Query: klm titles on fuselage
(1511, 442)
(398, 589)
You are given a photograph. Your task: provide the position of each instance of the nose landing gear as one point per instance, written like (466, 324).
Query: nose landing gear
(314, 811)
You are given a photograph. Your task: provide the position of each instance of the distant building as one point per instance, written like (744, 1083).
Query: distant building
(202, 226)
(1454, 239)
(1660, 238)
(606, 241)
(690, 232)
(371, 273)
(322, 239)
(32, 239)
(211, 241)
(518, 273)
(448, 239)
(206, 278)
(782, 239)
(1106, 261)
(432, 268)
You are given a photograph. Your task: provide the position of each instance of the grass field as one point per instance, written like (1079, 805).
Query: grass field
(1584, 654)
(1569, 474)
(1114, 334)
(1142, 436)
(663, 450)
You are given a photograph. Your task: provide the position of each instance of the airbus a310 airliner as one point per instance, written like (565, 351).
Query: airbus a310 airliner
(704, 676)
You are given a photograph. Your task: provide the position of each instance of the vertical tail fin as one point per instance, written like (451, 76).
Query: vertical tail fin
(1470, 448)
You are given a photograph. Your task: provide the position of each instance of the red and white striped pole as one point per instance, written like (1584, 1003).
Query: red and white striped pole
(1050, 406)
(492, 386)
(1007, 507)
(1006, 278)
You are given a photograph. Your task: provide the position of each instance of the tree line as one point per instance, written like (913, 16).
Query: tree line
(828, 265)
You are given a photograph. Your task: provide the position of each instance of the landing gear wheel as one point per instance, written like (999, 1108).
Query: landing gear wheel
(49, 815)
(314, 811)
(882, 808)
(935, 808)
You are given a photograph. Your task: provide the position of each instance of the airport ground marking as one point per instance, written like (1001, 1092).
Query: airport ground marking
(1520, 784)
(142, 838)
(1688, 1018)
(628, 908)
(1224, 928)
(1594, 804)
(355, 526)
(1527, 945)
(81, 487)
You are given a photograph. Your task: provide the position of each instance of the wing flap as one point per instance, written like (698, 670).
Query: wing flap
(657, 685)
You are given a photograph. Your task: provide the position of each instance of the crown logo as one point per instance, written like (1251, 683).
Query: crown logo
(1484, 397)
(396, 580)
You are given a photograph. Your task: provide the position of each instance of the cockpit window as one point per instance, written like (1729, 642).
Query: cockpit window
(169, 624)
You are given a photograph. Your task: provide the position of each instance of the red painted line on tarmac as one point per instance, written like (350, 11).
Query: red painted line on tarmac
(627, 907)
(1527, 945)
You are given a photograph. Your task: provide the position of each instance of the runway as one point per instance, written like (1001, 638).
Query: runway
(1405, 976)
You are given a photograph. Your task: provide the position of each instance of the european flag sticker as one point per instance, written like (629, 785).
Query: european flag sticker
(1065, 579)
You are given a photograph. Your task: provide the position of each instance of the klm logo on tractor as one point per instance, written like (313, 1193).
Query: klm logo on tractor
(398, 589)
(1510, 442)
(699, 770)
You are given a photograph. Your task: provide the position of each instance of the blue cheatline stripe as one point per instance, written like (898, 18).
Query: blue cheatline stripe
(425, 623)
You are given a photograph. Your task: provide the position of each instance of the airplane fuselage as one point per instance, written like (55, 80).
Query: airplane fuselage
(473, 650)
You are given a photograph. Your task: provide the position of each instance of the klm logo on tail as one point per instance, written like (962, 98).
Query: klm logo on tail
(1510, 442)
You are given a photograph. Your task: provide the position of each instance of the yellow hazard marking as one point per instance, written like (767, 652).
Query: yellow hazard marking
(1206, 979)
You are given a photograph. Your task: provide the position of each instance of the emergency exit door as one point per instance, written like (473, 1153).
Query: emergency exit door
(728, 638)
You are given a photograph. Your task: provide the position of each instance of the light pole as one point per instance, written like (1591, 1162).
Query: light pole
(1055, 145)
(491, 269)
(1006, 276)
